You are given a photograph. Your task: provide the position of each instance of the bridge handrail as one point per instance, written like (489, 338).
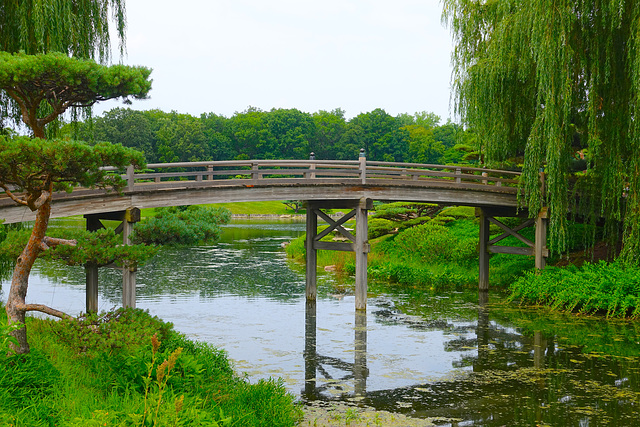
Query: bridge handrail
(316, 169)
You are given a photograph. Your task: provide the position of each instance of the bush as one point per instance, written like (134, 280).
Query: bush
(601, 287)
(434, 243)
(182, 226)
(379, 227)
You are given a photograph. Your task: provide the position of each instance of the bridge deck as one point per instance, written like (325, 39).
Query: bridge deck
(171, 184)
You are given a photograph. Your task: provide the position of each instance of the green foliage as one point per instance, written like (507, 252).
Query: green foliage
(379, 227)
(128, 368)
(99, 247)
(610, 288)
(553, 81)
(434, 243)
(59, 82)
(121, 330)
(403, 211)
(280, 134)
(44, 26)
(68, 163)
(181, 225)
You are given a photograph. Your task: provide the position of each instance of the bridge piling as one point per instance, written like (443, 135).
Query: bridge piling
(359, 243)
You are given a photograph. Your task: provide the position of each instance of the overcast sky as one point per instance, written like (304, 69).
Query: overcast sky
(223, 56)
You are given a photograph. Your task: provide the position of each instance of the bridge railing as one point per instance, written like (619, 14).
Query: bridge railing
(252, 172)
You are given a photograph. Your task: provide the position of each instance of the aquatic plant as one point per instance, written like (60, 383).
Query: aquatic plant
(612, 289)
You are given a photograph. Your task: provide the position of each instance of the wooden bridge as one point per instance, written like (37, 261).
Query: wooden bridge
(323, 184)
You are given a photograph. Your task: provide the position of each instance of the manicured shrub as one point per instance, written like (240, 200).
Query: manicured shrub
(182, 226)
(379, 227)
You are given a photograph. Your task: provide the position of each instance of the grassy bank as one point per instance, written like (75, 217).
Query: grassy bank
(111, 371)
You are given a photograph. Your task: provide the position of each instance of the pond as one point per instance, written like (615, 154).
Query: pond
(425, 356)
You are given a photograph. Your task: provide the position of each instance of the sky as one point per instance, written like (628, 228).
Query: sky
(222, 56)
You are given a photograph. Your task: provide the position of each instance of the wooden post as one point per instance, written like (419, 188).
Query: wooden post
(458, 175)
(483, 252)
(363, 166)
(130, 178)
(311, 254)
(541, 239)
(312, 167)
(131, 216)
(91, 272)
(254, 171)
(362, 231)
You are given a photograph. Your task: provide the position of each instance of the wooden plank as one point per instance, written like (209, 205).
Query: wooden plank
(335, 225)
(511, 232)
(514, 250)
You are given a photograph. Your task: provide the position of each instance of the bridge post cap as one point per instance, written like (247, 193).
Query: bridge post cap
(362, 152)
(312, 156)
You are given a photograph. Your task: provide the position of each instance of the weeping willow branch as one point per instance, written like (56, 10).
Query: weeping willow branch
(549, 81)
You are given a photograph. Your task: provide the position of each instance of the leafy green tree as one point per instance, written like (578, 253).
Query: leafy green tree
(125, 126)
(61, 82)
(423, 147)
(216, 129)
(290, 131)
(181, 138)
(249, 135)
(381, 136)
(553, 79)
(330, 127)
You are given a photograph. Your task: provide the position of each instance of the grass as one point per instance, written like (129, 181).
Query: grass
(127, 368)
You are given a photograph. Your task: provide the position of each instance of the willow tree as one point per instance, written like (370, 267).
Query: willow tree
(76, 28)
(556, 79)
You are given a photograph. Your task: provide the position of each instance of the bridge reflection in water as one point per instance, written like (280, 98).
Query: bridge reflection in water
(509, 378)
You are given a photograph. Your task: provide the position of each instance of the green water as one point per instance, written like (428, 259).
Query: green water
(419, 354)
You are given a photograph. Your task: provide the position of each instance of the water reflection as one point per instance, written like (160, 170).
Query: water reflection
(468, 359)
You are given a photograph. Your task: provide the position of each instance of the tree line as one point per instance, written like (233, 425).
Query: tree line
(281, 134)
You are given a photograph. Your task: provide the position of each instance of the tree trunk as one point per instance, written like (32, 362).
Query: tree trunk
(16, 304)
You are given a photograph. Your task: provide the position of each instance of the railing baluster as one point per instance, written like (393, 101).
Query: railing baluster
(458, 175)
(363, 166)
(210, 170)
(130, 178)
(255, 175)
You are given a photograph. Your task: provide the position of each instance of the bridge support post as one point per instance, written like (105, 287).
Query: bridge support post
(540, 246)
(537, 248)
(311, 254)
(91, 270)
(483, 252)
(362, 231)
(131, 216)
(359, 243)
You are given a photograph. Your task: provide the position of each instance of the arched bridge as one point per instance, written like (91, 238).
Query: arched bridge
(172, 184)
(323, 184)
